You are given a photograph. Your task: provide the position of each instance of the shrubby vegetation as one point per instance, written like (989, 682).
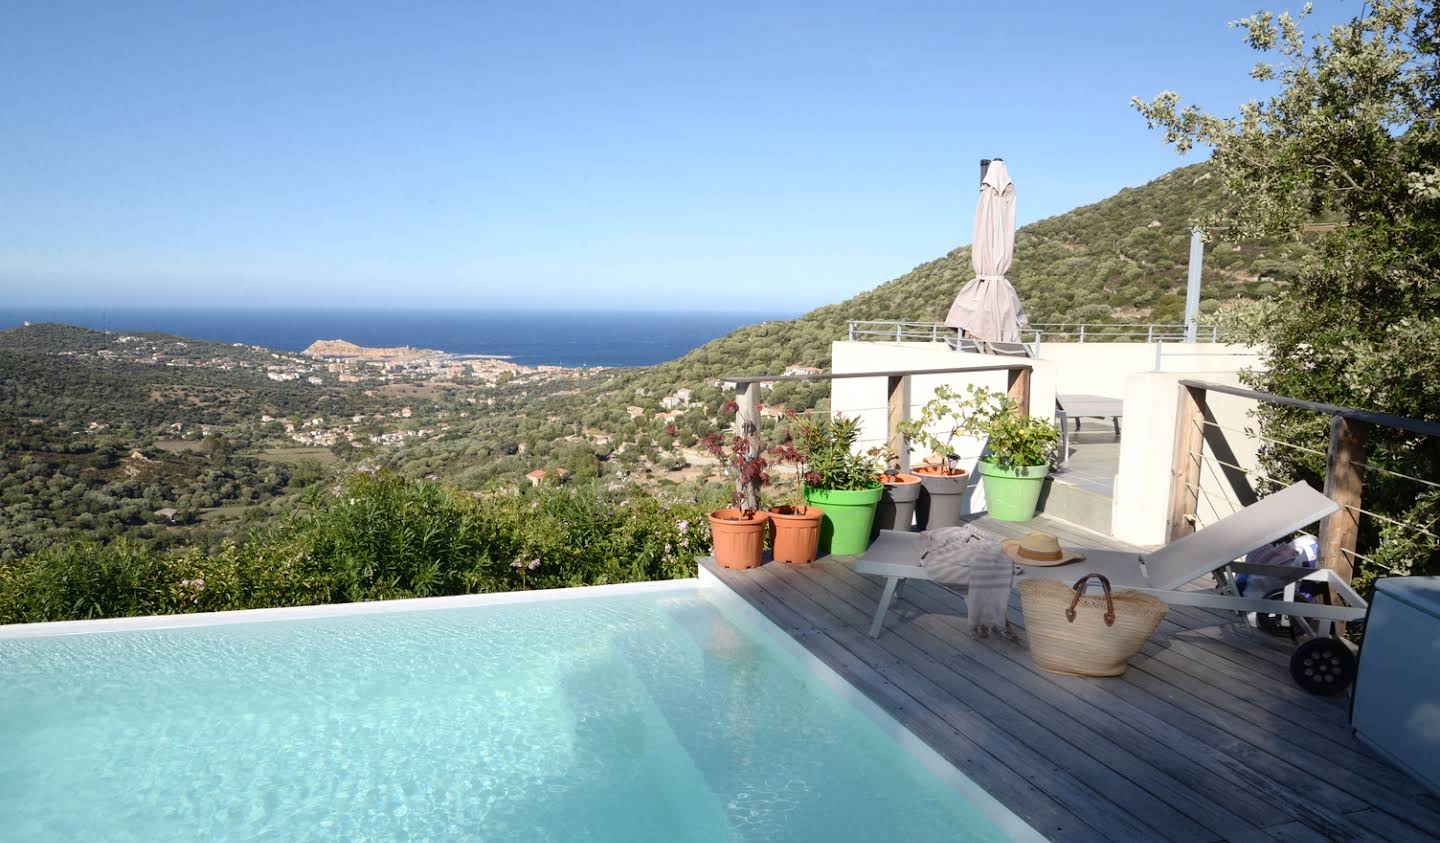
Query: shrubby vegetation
(54, 485)
(372, 538)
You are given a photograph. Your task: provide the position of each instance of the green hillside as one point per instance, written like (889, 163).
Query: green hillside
(1122, 259)
(73, 376)
(1119, 260)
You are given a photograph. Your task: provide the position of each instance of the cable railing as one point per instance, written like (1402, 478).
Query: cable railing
(897, 332)
(1203, 452)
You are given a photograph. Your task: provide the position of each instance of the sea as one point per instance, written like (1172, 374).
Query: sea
(528, 337)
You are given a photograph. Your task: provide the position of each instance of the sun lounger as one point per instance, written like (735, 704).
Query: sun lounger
(1212, 550)
(1009, 349)
(964, 344)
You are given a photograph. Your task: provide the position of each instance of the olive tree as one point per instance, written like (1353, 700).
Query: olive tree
(1348, 137)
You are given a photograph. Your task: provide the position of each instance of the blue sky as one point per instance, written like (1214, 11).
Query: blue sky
(744, 156)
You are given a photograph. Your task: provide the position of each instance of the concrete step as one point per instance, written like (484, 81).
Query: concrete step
(1076, 504)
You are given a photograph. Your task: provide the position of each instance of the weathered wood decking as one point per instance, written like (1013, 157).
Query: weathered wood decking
(1204, 738)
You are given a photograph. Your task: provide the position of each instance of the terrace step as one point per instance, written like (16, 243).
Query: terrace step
(1076, 504)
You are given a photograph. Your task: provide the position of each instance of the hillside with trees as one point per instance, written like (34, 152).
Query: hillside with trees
(172, 441)
(1123, 259)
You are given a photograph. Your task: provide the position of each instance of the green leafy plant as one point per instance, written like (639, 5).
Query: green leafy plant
(787, 454)
(831, 461)
(744, 460)
(1013, 439)
(1017, 441)
(951, 413)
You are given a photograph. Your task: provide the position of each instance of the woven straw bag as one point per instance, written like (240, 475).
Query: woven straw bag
(1086, 635)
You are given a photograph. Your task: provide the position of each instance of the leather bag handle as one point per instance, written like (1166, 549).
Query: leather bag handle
(1080, 592)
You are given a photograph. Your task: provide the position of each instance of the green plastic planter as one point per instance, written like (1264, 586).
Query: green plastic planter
(1011, 494)
(845, 531)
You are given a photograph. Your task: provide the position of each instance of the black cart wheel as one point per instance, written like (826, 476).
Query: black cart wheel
(1323, 666)
(1277, 624)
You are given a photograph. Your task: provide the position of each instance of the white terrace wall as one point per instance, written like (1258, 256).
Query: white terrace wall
(866, 397)
(1101, 368)
(1147, 449)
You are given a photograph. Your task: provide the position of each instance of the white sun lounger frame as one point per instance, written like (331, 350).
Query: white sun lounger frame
(895, 556)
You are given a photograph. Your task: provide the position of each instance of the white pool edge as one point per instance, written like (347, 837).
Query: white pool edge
(331, 610)
(1011, 824)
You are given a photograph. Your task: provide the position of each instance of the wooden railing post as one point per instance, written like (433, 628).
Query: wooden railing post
(1185, 465)
(1019, 388)
(747, 421)
(1344, 478)
(897, 401)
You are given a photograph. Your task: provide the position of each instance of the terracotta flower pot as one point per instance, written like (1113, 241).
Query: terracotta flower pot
(943, 501)
(795, 536)
(739, 542)
(896, 510)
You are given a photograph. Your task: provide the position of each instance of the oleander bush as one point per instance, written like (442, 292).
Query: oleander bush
(372, 538)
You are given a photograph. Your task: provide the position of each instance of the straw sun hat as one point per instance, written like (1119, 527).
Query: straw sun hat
(1040, 549)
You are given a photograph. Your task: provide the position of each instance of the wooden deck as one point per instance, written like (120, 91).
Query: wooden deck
(1204, 738)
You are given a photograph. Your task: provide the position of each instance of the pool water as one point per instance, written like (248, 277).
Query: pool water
(653, 716)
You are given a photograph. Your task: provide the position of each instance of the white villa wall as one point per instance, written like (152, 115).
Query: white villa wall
(866, 397)
(1102, 368)
(1125, 370)
(1147, 448)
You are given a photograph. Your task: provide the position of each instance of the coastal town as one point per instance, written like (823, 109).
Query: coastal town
(323, 362)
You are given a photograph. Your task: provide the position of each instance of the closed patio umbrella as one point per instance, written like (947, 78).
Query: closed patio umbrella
(987, 307)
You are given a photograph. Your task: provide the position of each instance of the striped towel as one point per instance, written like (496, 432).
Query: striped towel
(973, 558)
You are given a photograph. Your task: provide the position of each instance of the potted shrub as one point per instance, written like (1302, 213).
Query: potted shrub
(942, 499)
(1017, 457)
(899, 495)
(738, 533)
(794, 526)
(841, 482)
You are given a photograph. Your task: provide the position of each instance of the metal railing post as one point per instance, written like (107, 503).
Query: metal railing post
(851, 326)
(899, 326)
(1158, 346)
(1150, 333)
(1082, 332)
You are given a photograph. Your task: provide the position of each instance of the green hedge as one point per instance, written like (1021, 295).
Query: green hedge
(372, 538)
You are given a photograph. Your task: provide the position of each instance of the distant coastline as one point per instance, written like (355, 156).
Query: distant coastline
(530, 338)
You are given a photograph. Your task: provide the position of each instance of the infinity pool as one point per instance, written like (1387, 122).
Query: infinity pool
(661, 715)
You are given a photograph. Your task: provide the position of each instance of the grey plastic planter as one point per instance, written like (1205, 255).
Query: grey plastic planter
(897, 505)
(943, 500)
